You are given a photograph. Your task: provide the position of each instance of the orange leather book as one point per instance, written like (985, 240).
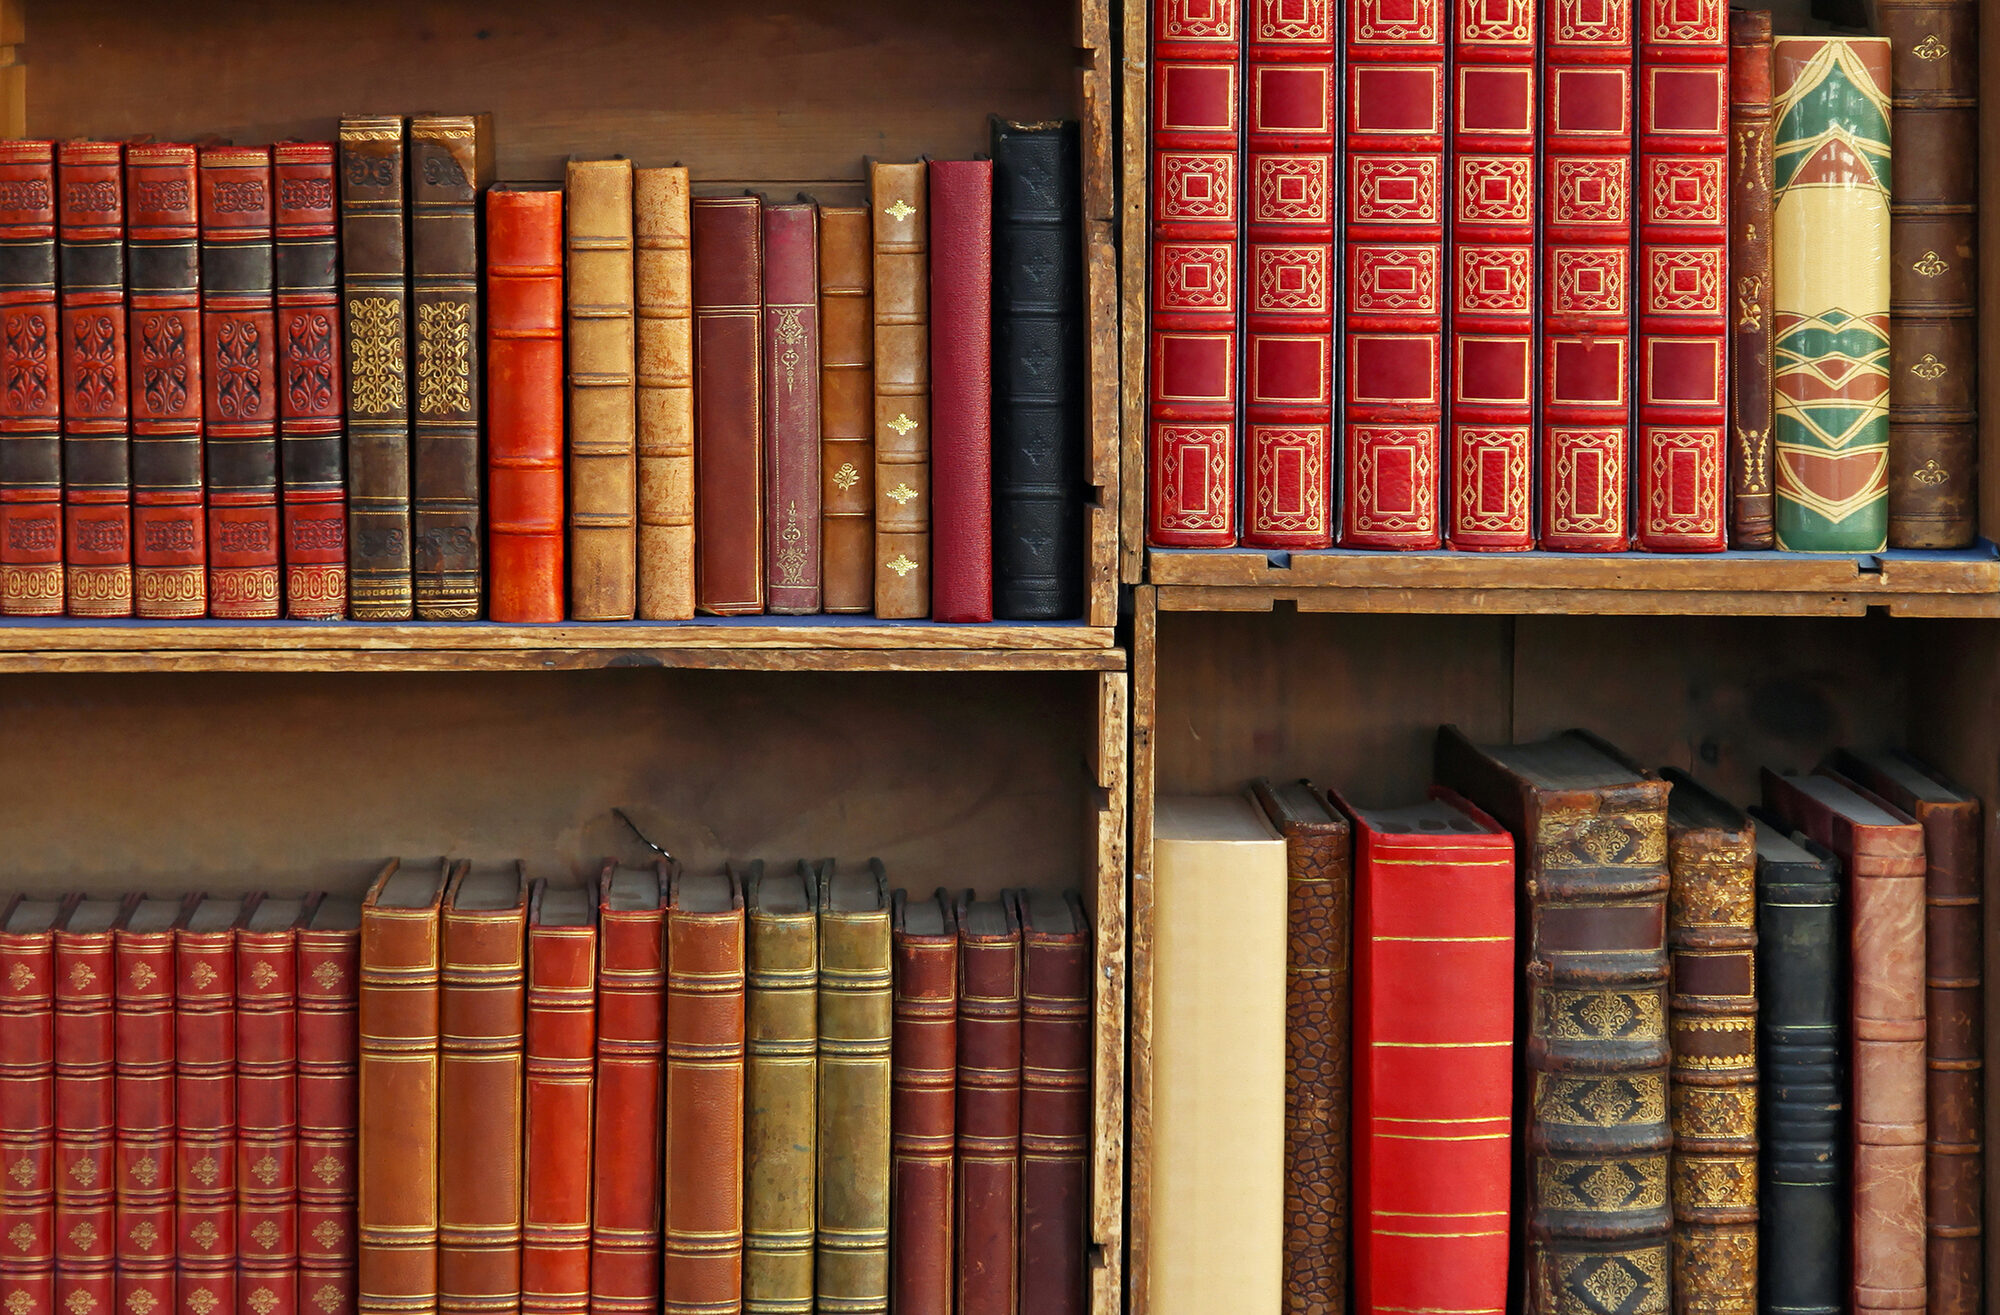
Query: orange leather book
(143, 1089)
(631, 1034)
(205, 1102)
(561, 1049)
(267, 1079)
(524, 404)
(329, 979)
(902, 391)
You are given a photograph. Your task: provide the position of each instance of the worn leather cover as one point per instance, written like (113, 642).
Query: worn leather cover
(1038, 371)
(779, 1079)
(375, 295)
(1882, 852)
(989, 1106)
(328, 978)
(664, 277)
(1751, 307)
(961, 250)
(205, 1107)
(729, 453)
(524, 405)
(85, 1098)
(631, 1037)
(791, 413)
(561, 1051)
(603, 423)
(97, 471)
(1056, 972)
(924, 1084)
(267, 1183)
(28, 1104)
(702, 1251)
(1592, 838)
(143, 1093)
(901, 214)
(1319, 851)
(856, 1009)
(31, 532)
(847, 408)
(312, 411)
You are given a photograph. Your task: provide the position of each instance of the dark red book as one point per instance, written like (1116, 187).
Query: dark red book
(729, 447)
(989, 1106)
(631, 1047)
(28, 1104)
(1055, 1101)
(31, 533)
(312, 412)
(86, 1098)
(561, 1054)
(96, 406)
(169, 525)
(205, 1103)
(267, 1150)
(922, 1110)
(143, 1088)
(791, 408)
(961, 247)
(240, 379)
(327, 976)
(524, 404)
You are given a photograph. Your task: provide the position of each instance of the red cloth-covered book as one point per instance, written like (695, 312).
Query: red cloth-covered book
(989, 1106)
(524, 404)
(561, 1050)
(961, 193)
(791, 408)
(28, 1103)
(31, 532)
(631, 1044)
(267, 1191)
(924, 1081)
(312, 412)
(86, 1098)
(96, 407)
(205, 1103)
(143, 1088)
(327, 977)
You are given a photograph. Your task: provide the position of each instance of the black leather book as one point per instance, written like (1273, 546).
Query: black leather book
(1802, 1056)
(1038, 372)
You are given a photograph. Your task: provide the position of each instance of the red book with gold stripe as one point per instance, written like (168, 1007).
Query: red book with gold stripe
(625, 1270)
(328, 978)
(85, 1103)
(205, 1103)
(143, 1087)
(96, 407)
(561, 1054)
(1288, 194)
(28, 1105)
(267, 1078)
(1394, 340)
(1197, 221)
(1683, 280)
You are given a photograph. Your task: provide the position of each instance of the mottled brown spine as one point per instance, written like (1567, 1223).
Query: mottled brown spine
(1751, 303)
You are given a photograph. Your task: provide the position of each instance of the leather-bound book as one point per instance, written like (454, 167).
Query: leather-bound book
(205, 1171)
(169, 528)
(1934, 280)
(1392, 340)
(1591, 838)
(791, 408)
(524, 404)
(664, 275)
(1319, 851)
(989, 1106)
(729, 452)
(397, 1218)
(855, 1028)
(1681, 457)
(267, 1068)
(1751, 171)
(1038, 372)
(901, 213)
(603, 422)
(31, 531)
(1434, 1045)
(329, 980)
(1882, 852)
(1194, 340)
(780, 1073)
(375, 295)
(961, 260)
(28, 1106)
(1954, 1032)
(847, 409)
(450, 166)
(482, 1021)
(96, 405)
(143, 1092)
(1585, 233)
(85, 1101)
(631, 1037)
(1056, 973)
(561, 1055)
(922, 1103)
(702, 1250)
(312, 409)
(1803, 1208)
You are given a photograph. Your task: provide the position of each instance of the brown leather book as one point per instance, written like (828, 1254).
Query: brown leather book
(1882, 852)
(631, 1027)
(480, 1066)
(561, 1023)
(603, 497)
(902, 390)
(855, 1008)
(267, 1132)
(791, 408)
(847, 408)
(1752, 299)
(702, 1250)
(729, 452)
(1934, 279)
(328, 1095)
(780, 1069)
(989, 1106)
(1319, 866)
(397, 1219)
(1055, 1100)
(924, 1074)
(665, 296)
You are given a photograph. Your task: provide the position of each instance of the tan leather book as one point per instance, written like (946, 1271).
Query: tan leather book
(603, 502)
(847, 408)
(665, 297)
(856, 1005)
(779, 1072)
(902, 391)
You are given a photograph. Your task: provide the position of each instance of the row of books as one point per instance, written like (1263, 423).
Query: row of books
(361, 380)
(1417, 282)
(470, 1092)
(1652, 1050)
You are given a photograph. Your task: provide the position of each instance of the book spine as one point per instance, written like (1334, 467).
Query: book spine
(988, 1120)
(267, 1182)
(396, 1226)
(1493, 299)
(791, 332)
(205, 1107)
(1830, 329)
(28, 1118)
(856, 1007)
(312, 412)
(85, 1101)
(665, 302)
(729, 444)
(169, 525)
(329, 1042)
(847, 409)
(901, 222)
(924, 1080)
(625, 1187)
(481, 1015)
(31, 532)
(561, 1049)
(1750, 180)
(524, 406)
(1955, 1158)
(1195, 332)
(702, 1246)
(1586, 238)
(961, 247)
(603, 421)
(1055, 1118)
(96, 405)
(779, 1151)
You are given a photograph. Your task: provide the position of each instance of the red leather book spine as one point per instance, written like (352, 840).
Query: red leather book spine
(27, 1113)
(143, 1088)
(169, 527)
(329, 1051)
(31, 535)
(267, 1193)
(1683, 277)
(729, 464)
(240, 369)
(524, 405)
(96, 407)
(1492, 423)
(791, 408)
(1393, 405)
(312, 411)
(625, 1176)
(1055, 1110)
(961, 249)
(924, 1084)
(561, 1049)
(205, 1105)
(85, 1213)
(1194, 338)
(1586, 326)
(1289, 275)
(989, 1115)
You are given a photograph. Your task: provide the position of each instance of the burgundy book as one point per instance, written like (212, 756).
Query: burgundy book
(961, 249)
(561, 1054)
(267, 1185)
(922, 1119)
(96, 406)
(312, 412)
(728, 452)
(85, 1215)
(329, 1056)
(791, 408)
(28, 1104)
(31, 547)
(989, 1106)
(143, 1089)
(1055, 1100)
(205, 1103)
(631, 1045)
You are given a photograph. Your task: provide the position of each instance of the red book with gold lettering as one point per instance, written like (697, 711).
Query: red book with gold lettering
(561, 1050)
(205, 1102)
(96, 408)
(28, 1103)
(1393, 342)
(524, 404)
(631, 1039)
(328, 980)
(267, 1189)
(1194, 342)
(86, 1098)
(312, 412)
(143, 1087)
(31, 532)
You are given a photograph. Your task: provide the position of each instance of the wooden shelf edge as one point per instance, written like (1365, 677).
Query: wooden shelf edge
(1575, 602)
(560, 659)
